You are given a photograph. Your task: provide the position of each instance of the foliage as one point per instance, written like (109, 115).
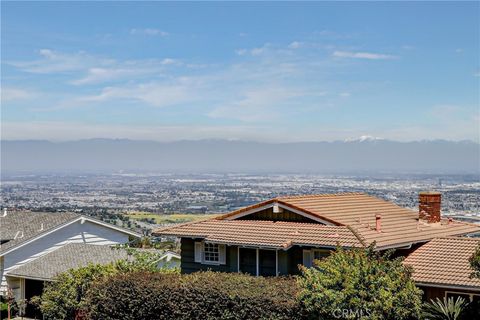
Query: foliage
(64, 297)
(202, 295)
(446, 309)
(475, 263)
(359, 283)
(4, 304)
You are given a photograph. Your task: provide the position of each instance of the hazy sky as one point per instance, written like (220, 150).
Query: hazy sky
(253, 71)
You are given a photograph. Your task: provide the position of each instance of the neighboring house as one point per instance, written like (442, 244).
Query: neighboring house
(275, 236)
(441, 268)
(169, 260)
(34, 247)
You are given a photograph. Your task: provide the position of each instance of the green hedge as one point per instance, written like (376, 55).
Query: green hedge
(202, 295)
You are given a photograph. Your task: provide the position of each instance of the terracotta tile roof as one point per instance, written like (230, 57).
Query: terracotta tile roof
(444, 261)
(278, 234)
(399, 226)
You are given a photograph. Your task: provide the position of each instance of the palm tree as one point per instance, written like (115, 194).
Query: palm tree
(446, 309)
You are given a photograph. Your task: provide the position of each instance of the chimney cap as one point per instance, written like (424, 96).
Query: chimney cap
(430, 193)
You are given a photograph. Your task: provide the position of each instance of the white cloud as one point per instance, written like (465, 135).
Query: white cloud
(9, 94)
(57, 62)
(149, 32)
(254, 51)
(153, 94)
(241, 52)
(257, 104)
(345, 94)
(363, 55)
(257, 51)
(459, 50)
(295, 45)
(130, 70)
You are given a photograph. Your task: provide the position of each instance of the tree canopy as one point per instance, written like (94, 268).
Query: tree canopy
(359, 283)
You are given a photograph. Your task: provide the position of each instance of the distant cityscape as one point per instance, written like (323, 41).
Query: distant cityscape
(217, 193)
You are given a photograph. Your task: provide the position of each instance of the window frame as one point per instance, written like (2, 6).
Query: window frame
(460, 293)
(204, 261)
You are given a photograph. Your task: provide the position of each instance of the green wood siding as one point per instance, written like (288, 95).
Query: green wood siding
(288, 260)
(268, 214)
(188, 264)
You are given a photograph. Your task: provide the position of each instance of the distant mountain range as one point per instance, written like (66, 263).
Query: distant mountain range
(362, 155)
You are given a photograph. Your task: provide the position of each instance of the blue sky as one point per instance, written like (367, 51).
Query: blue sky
(250, 71)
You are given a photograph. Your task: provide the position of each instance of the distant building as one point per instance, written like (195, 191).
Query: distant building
(196, 209)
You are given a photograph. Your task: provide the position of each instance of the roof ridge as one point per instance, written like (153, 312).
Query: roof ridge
(457, 238)
(360, 238)
(319, 195)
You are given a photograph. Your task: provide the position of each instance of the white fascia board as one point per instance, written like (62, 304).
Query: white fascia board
(283, 206)
(108, 225)
(111, 226)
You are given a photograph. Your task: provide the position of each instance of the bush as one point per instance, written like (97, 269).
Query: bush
(353, 283)
(202, 295)
(64, 297)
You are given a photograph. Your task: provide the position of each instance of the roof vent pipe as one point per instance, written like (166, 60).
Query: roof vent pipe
(378, 222)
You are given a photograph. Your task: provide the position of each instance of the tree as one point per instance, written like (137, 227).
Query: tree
(359, 284)
(475, 263)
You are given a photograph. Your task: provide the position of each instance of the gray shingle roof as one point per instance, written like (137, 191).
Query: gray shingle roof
(73, 255)
(19, 227)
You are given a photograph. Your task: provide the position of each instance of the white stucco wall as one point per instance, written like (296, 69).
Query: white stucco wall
(88, 232)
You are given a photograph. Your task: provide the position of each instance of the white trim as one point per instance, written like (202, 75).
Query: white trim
(447, 286)
(238, 259)
(469, 294)
(22, 288)
(276, 263)
(28, 277)
(283, 206)
(111, 226)
(258, 262)
(107, 225)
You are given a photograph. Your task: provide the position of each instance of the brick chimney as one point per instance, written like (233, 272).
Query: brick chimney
(429, 205)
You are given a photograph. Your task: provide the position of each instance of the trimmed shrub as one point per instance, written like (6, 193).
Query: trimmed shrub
(202, 295)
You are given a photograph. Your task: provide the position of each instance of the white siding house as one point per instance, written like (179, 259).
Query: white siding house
(26, 236)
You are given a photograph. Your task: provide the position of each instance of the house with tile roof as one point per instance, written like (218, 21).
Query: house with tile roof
(35, 246)
(274, 237)
(441, 268)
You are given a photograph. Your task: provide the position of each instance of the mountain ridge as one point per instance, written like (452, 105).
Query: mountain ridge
(216, 155)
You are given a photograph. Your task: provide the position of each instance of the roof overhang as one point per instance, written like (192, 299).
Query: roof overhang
(13, 275)
(447, 286)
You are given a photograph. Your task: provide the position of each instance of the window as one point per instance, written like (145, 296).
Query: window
(315, 254)
(467, 296)
(319, 254)
(211, 252)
